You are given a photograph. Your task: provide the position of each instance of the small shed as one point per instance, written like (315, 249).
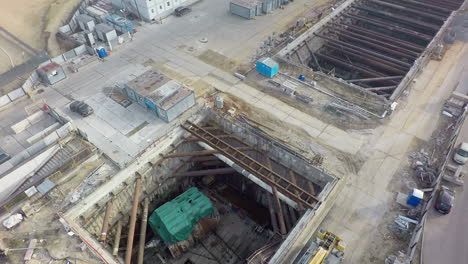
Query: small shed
(244, 8)
(105, 32)
(85, 22)
(267, 66)
(158, 93)
(51, 73)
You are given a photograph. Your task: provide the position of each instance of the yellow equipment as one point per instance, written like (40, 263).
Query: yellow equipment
(328, 247)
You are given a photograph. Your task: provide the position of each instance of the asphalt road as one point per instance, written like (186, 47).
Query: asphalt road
(446, 236)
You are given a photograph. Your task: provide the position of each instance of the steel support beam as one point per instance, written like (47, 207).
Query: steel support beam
(299, 57)
(131, 229)
(383, 37)
(279, 210)
(377, 79)
(354, 47)
(202, 153)
(271, 209)
(374, 63)
(428, 5)
(421, 9)
(144, 223)
(253, 166)
(313, 56)
(349, 66)
(375, 46)
(400, 19)
(228, 170)
(440, 4)
(409, 10)
(391, 27)
(118, 233)
(383, 88)
(105, 223)
(376, 41)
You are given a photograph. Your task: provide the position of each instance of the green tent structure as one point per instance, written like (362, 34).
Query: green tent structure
(174, 221)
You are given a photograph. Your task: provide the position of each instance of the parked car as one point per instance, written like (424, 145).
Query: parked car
(445, 200)
(460, 155)
(182, 10)
(81, 108)
(3, 156)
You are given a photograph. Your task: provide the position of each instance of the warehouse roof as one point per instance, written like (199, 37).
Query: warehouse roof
(246, 3)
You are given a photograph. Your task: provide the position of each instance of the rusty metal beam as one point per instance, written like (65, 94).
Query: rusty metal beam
(228, 170)
(409, 10)
(400, 19)
(349, 66)
(118, 233)
(201, 153)
(374, 40)
(377, 79)
(375, 46)
(354, 47)
(432, 6)
(383, 88)
(279, 210)
(144, 222)
(252, 166)
(372, 62)
(396, 64)
(421, 9)
(133, 216)
(391, 27)
(383, 37)
(105, 223)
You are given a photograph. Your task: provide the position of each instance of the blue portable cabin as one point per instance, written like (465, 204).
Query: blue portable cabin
(120, 23)
(267, 66)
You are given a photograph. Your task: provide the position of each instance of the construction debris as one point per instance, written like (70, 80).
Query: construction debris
(12, 221)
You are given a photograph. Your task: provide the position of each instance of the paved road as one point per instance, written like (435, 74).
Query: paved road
(446, 236)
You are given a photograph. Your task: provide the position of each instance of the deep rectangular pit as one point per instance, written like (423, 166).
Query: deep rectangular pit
(375, 45)
(240, 192)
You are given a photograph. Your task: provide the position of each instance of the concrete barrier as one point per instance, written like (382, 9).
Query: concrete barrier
(27, 122)
(43, 133)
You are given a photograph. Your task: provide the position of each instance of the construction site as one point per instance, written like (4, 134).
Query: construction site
(303, 135)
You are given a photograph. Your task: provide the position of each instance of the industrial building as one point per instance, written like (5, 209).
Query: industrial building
(151, 10)
(251, 8)
(158, 93)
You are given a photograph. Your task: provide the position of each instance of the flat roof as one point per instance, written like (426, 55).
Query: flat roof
(49, 67)
(246, 3)
(146, 83)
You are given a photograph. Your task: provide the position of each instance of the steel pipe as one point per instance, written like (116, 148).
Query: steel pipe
(349, 66)
(374, 40)
(374, 63)
(105, 223)
(409, 10)
(384, 37)
(377, 79)
(131, 229)
(271, 209)
(421, 9)
(118, 233)
(366, 55)
(228, 170)
(363, 50)
(444, 4)
(279, 210)
(391, 27)
(428, 5)
(400, 19)
(144, 223)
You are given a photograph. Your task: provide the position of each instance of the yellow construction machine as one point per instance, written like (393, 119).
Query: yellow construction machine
(326, 249)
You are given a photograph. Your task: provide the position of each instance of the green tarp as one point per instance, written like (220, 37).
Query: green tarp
(174, 221)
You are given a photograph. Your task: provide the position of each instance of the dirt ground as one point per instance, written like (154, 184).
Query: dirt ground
(34, 22)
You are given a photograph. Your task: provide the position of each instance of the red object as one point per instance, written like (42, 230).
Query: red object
(45, 107)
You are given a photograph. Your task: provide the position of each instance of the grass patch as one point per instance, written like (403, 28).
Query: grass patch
(218, 60)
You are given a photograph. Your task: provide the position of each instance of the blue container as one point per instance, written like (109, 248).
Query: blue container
(122, 24)
(267, 67)
(415, 197)
(301, 77)
(102, 53)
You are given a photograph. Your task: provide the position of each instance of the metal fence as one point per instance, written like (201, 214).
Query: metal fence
(416, 237)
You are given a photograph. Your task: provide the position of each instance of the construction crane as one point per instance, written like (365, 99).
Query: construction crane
(326, 249)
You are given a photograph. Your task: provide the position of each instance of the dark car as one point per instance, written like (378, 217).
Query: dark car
(81, 108)
(445, 200)
(182, 10)
(3, 156)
